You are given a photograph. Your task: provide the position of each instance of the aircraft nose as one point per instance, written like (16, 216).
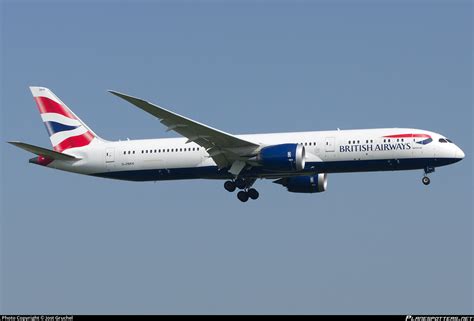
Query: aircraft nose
(459, 153)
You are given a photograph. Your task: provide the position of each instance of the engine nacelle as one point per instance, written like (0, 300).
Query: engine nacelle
(305, 184)
(283, 157)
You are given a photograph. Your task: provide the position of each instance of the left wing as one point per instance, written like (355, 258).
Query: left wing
(225, 149)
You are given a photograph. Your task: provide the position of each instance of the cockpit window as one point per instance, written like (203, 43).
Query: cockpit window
(442, 140)
(449, 140)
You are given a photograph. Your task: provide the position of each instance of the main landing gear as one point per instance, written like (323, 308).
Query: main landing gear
(426, 180)
(245, 186)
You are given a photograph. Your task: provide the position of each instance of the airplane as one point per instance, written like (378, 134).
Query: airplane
(299, 161)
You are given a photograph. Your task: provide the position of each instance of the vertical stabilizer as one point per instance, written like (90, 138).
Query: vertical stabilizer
(65, 129)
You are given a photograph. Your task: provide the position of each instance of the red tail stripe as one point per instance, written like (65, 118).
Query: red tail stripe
(74, 141)
(408, 136)
(46, 105)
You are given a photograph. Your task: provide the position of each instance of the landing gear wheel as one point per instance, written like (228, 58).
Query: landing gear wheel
(426, 180)
(253, 194)
(229, 186)
(240, 183)
(243, 196)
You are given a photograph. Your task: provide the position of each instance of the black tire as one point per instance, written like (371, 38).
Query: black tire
(243, 196)
(240, 183)
(426, 180)
(253, 193)
(229, 186)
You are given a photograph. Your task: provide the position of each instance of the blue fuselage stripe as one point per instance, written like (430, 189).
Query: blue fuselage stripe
(212, 172)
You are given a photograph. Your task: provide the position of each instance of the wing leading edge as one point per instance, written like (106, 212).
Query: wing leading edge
(224, 148)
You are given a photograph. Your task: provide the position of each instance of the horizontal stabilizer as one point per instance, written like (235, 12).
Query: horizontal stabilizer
(40, 151)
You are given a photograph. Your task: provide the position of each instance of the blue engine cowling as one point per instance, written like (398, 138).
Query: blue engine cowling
(305, 184)
(283, 157)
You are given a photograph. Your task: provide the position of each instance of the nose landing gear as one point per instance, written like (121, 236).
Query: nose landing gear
(426, 180)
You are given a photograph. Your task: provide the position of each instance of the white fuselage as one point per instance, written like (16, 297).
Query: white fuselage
(326, 152)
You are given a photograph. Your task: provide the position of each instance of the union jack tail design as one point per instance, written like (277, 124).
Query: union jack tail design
(65, 129)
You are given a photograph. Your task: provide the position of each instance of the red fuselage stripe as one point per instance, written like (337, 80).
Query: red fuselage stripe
(408, 136)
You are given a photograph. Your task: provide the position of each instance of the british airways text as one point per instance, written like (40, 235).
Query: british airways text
(374, 147)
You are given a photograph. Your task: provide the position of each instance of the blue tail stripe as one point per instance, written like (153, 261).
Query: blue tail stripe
(54, 127)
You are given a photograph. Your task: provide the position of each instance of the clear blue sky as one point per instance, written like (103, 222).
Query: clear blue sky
(373, 243)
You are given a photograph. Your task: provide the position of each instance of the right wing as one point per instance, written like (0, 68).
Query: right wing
(40, 151)
(225, 149)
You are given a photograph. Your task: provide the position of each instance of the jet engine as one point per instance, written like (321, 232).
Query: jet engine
(283, 157)
(305, 184)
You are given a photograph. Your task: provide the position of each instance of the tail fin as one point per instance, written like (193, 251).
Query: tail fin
(65, 129)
